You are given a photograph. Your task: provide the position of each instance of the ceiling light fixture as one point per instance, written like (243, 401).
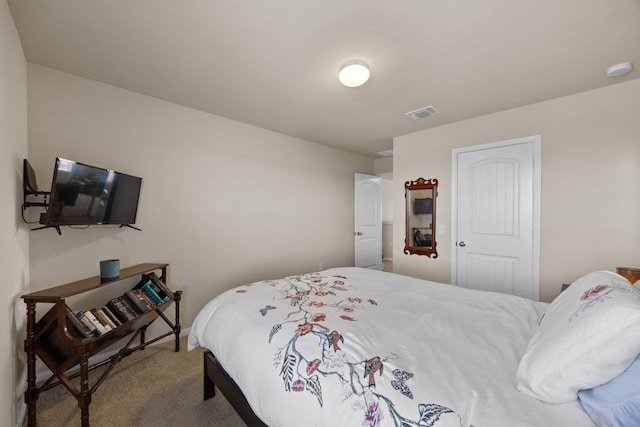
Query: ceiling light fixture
(354, 74)
(618, 69)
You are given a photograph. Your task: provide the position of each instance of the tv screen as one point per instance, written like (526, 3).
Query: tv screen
(84, 195)
(423, 206)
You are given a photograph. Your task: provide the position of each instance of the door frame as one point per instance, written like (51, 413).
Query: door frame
(536, 141)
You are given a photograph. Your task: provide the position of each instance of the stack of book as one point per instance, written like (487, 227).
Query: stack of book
(154, 288)
(145, 296)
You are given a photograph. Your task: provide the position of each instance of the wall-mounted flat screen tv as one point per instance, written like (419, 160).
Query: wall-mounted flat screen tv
(85, 195)
(423, 206)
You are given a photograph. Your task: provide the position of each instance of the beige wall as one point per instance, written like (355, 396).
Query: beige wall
(14, 242)
(388, 187)
(590, 181)
(387, 216)
(383, 165)
(223, 202)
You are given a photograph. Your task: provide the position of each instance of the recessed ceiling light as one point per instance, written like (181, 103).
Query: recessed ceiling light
(619, 69)
(354, 74)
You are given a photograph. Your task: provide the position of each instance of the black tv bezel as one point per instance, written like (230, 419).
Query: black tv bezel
(47, 219)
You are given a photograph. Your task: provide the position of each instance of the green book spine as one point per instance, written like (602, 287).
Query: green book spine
(159, 283)
(148, 290)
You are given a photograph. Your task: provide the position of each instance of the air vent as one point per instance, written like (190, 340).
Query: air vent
(385, 153)
(421, 113)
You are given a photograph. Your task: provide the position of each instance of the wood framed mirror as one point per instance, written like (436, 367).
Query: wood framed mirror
(420, 217)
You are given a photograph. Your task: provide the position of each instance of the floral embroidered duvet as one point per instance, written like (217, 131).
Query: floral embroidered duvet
(358, 347)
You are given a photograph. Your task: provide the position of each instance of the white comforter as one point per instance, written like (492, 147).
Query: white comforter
(358, 347)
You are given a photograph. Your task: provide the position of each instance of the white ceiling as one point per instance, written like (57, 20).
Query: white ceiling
(274, 63)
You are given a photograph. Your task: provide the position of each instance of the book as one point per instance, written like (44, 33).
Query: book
(148, 290)
(128, 306)
(144, 298)
(119, 304)
(102, 316)
(146, 278)
(98, 324)
(136, 302)
(159, 283)
(114, 319)
(77, 324)
(95, 313)
(74, 329)
(113, 306)
(160, 292)
(88, 323)
(148, 281)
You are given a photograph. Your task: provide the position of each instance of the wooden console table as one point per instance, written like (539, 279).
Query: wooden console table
(61, 347)
(631, 274)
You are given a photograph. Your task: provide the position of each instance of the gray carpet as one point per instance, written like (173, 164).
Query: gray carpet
(152, 387)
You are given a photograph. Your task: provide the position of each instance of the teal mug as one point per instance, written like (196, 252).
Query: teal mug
(109, 269)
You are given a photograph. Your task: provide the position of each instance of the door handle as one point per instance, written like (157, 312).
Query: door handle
(462, 244)
(357, 233)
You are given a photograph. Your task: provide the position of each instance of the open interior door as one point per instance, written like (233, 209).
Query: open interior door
(368, 221)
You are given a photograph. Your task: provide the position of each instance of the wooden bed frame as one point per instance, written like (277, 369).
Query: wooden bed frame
(216, 376)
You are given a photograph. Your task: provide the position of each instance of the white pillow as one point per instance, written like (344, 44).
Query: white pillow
(588, 335)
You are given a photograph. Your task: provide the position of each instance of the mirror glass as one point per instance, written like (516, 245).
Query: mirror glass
(420, 196)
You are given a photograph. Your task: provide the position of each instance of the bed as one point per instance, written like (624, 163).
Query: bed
(359, 347)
